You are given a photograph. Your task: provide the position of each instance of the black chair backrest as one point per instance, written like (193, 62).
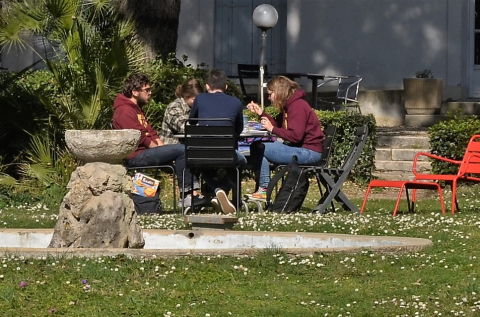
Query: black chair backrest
(361, 134)
(328, 145)
(248, 71)
(210, 142)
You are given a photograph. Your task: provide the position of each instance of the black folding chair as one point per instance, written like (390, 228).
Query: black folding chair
(250, 71)
(333, 178)
(326, 154)
(210, 144)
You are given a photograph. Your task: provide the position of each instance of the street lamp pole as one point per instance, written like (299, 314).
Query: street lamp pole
(262, 66)
(265, 17)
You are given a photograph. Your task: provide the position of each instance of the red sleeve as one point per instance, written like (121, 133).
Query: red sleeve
(128, 118)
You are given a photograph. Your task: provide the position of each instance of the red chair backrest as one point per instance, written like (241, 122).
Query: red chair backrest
(471, 158)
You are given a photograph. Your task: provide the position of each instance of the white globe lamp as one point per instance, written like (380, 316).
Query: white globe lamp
(265, 17)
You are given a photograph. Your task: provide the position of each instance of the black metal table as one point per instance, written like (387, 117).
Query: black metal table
(314, 79)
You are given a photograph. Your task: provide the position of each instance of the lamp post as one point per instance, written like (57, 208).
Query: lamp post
(265, 17)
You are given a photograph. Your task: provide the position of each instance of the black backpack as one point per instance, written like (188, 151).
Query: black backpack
(294, 188)
(147, 205)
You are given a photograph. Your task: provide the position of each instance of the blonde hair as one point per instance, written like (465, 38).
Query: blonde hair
(190, 88)
(284, 88)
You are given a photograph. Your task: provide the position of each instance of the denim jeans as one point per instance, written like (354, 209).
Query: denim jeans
(165, 154)
(223, 178)
(257, 150)
(279, 153)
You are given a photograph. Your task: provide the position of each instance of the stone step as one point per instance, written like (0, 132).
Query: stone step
(466, 107)
(395, 150)
(405, 166)
(394, 175)
(389, 154)
(418, 142)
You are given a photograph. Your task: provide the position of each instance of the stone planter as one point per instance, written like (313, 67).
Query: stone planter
(423, 96)
(108, 146)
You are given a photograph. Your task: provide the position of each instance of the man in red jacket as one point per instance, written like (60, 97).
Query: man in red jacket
(151, 151)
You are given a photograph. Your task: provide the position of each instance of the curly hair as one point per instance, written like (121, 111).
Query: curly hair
(284, 88)
(135, 82)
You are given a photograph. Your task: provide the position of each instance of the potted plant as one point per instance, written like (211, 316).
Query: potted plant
(423, 94)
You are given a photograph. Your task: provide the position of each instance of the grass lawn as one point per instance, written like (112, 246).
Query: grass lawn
(442, 280)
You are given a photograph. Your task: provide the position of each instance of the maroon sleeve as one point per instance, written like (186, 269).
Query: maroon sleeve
(296, 123)
(127, 118)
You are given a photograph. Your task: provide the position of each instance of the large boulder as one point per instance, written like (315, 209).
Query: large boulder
(97, 212)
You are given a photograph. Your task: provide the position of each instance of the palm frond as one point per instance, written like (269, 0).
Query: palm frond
(41, 157)
(7, 180)
(38, 171)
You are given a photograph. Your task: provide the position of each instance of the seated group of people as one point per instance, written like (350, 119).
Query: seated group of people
(297, 125)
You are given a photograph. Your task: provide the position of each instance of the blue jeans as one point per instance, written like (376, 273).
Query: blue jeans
(257, 150)
(163, 155)
(279, 153)
(215, 180)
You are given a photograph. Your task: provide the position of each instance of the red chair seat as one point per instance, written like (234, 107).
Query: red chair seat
(404, 185)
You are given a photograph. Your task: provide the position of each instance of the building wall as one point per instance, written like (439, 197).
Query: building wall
(221, 34)
(196, 31)
(381, 40)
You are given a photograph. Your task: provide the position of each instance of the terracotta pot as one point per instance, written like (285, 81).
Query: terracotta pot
(422, 95)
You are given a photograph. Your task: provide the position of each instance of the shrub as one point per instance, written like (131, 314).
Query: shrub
(346, 123)
(449, 138)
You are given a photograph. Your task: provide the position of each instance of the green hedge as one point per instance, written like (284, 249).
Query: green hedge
(346, 123)
(449, 139)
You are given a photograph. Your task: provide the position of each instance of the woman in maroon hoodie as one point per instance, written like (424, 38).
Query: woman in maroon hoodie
(297, 124)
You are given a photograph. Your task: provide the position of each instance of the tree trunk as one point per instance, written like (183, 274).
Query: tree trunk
(157, 23)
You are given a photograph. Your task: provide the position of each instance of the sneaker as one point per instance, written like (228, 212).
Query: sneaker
(261, 193)
(216, 204)
(225, 204)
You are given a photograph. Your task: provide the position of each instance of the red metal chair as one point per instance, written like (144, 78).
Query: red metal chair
(468, 167)
(404, 185)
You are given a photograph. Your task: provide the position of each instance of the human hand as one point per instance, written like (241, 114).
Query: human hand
(155, 143)
(266, 124)
(253, 107)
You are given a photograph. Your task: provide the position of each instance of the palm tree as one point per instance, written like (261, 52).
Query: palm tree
(87, 49)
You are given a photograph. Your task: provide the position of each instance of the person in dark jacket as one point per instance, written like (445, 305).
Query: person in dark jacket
(151, 151)
(297, 124)
(216, 104)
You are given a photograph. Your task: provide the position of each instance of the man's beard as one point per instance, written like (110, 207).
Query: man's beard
(141, 102)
